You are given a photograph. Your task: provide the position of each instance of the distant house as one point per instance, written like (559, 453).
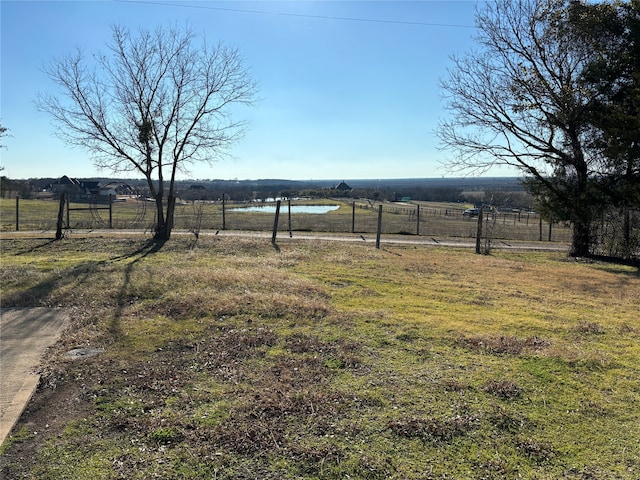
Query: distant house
(73, 185)
(108, 190)
(343, 187)
(64, 180)
(90, 187)
(66, 184)
(117, 188)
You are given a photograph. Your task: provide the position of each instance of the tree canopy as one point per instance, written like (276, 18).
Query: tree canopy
(535, 96)
(612, 31)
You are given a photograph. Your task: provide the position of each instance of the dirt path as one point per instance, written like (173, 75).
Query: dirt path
(283, 236)
(25, 333)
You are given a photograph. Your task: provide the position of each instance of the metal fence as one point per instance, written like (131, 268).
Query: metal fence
(420, 219)
(616, 234)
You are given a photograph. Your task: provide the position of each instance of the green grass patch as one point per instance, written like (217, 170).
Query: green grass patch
(327, 360)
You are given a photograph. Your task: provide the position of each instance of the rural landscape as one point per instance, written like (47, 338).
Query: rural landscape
(405, 206)
(468, 327)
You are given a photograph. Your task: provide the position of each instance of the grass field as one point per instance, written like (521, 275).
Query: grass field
(234, 360)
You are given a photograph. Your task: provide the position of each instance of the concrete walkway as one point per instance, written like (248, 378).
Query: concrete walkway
(25, 333)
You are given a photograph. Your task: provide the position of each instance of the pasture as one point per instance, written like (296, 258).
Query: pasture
(326, 360)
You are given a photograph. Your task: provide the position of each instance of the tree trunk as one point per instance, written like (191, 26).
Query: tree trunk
(582, 205)
(161, 221)
(581, 241)
(164, 227)
(162, 232)
(171, 208)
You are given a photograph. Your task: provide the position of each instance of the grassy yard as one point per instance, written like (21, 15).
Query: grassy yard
(235, 360)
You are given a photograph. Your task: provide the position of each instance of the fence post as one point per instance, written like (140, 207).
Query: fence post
(379, 226)
(549, 230)
(418, 220)
(353, 217)
(110, 212)
(60, 217)
(540, 228)
(275, 223)
(224, 218)
(68, 201)
(17, 212)
(479, 231)
(289, 204)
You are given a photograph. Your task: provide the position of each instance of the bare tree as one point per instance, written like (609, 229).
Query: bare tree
(3, 133)
(154, 104)
(518, 101)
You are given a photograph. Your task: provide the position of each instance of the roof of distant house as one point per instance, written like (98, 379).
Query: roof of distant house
(64, 180)
(343, 187)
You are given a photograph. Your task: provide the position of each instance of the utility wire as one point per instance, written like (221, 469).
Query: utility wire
(323, 17)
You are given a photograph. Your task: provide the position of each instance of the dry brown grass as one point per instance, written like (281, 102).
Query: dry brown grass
(321, 360)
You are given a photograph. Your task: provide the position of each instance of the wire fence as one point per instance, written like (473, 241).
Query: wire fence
(419, 219)
(616, 234)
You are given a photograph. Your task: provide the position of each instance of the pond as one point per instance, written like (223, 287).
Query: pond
(314, 209)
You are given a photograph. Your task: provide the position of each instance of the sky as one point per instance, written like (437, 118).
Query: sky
(347, 89)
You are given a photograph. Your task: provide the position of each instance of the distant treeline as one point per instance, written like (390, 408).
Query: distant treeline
(496, 191)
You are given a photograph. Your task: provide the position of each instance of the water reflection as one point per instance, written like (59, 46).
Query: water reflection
(315, 209)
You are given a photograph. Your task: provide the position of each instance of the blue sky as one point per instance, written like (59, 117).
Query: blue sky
(348, 89)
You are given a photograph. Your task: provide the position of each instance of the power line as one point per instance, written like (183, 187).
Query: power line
(302, 15)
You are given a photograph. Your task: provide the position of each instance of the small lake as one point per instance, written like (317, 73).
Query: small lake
(314, 209)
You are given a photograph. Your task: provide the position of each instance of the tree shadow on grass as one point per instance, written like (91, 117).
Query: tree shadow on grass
(43, 293)
(612, 264)
(632, 273)
(39, 294)
(37, 247)
(150, 247)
